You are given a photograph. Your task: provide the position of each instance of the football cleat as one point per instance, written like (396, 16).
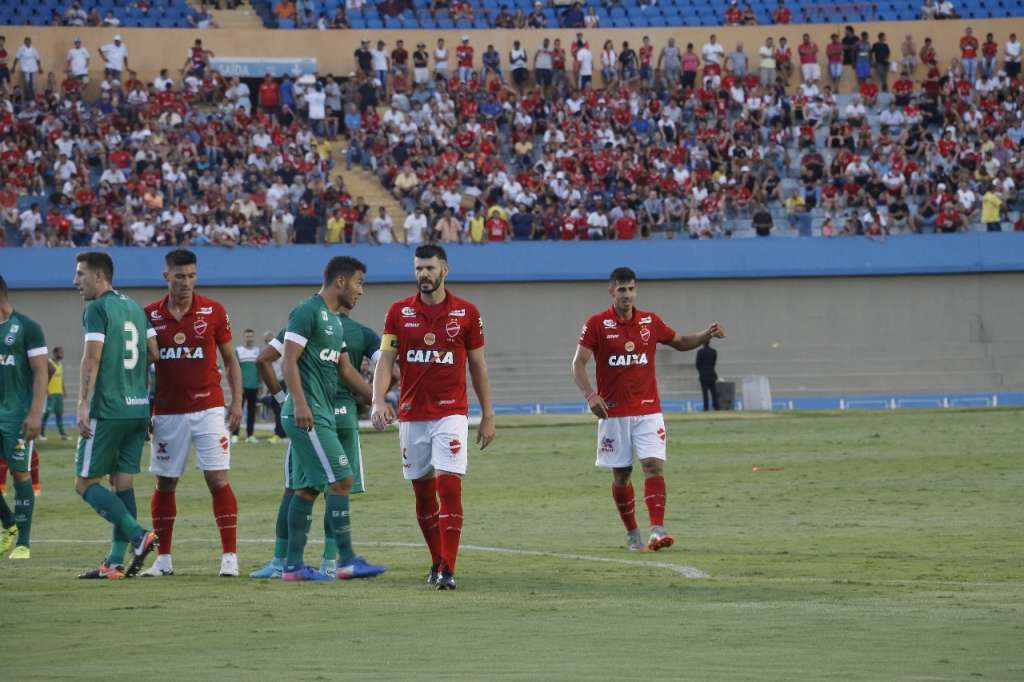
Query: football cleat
(21, 552)
(446, 581)
(251, 439)
(660, 539)
(635, 541)
(229, 565)
(161, 567)
(329, 566)
(140, 550)
(274, 440)
(234, 439)
(271, 569)
(359, 568)
(304, 573)
(41, 438)
(7, 537)
(104, 572)
(432, 577)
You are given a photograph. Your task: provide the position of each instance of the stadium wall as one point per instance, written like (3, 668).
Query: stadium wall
(811, 335)
(152, 49)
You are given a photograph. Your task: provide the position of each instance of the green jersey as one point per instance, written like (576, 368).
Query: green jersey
(362, 342)
(247, 361)
(21, 338)
(318, 330)
(123, 328)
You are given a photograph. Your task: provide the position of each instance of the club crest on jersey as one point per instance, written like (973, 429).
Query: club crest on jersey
(645, 333)
(9, 339)
(181, 352)
(630, 346)
(179, 338)
(627, 359)
(432, 357)
(408, 312)
(429, 338)
(199, 326)
(609, 323)
(452, 329)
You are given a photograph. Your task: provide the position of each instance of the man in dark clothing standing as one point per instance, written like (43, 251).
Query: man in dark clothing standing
(706, 359)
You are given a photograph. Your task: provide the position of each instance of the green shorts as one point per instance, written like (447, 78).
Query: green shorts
(317, 458)
(115, 447)
(13, 449)
(346, 423)
(55, 403)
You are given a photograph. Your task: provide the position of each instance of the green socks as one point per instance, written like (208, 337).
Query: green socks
(24, 500)
(341, 527)
(330, 546)
(119, 543)
(300, 518)
(281, 529)
(6, 516)
(112, 508)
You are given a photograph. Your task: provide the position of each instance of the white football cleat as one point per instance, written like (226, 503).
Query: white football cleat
(229, 565)
(160, 568)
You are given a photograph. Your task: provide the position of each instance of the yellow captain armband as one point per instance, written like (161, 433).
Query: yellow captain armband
(389, 342)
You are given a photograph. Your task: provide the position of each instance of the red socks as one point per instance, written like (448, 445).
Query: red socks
(163, 510)
(426, 513)
(449, 489)
(654, 497)
(225, 511)
(623, 496)
(35, 470)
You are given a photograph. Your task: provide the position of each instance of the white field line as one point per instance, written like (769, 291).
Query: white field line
(688, 571)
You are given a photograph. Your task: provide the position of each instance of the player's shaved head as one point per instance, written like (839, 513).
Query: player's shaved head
(97, 261)
(342, 266)
(179, 257)
(622, 275)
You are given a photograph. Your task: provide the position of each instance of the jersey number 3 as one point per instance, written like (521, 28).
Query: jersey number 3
(131, 345)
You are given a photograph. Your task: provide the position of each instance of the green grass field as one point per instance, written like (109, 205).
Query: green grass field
(890, 547)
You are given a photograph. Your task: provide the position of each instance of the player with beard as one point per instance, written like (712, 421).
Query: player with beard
(626, 402)
(434, 334)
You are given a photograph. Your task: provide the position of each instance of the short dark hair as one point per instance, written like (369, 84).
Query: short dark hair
(342, 266)
(98, 261)
(180, 257)
(248, 331)
(431, 251)
(622, 275)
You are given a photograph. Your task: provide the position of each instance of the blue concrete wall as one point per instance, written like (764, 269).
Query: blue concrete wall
(556, 261)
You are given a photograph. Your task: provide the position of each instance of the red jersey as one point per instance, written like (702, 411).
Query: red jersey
(968, 47)
(808, 53)
(187, 378)
(624, 351)
(432, 343)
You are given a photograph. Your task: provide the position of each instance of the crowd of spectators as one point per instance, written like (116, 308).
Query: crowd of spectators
(559, 143)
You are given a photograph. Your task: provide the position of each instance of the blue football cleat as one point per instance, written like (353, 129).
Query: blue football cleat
(359, 568)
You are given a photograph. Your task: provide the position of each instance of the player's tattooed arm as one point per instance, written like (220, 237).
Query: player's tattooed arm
(684, 342)
(87, 380)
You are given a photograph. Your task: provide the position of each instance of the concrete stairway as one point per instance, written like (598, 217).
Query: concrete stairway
(361, 183)
(242, 18)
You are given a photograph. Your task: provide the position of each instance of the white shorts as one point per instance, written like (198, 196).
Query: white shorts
(441, 444)
(811, 71)
(619, 439)
(174, 434)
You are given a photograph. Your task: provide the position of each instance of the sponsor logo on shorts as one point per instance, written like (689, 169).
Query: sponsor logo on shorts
(455, 445)
(343, 460)
(179, 338)
(225, 443)
(661, 433)
(607, 444)
(161, 448)
(429, 338)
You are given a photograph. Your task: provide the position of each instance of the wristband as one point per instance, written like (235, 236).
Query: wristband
(280, 397)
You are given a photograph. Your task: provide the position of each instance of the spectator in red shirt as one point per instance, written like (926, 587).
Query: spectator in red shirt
(969, 54)
(782, 15)
(810, 71)
(989, 50)
(733, 15)
(869, 92)
(269, 96)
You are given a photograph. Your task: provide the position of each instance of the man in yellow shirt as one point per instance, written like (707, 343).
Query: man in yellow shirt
(991, 210)
(335, 227)
(55, 394)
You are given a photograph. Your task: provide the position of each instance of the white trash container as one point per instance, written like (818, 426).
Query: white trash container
(757, 394)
